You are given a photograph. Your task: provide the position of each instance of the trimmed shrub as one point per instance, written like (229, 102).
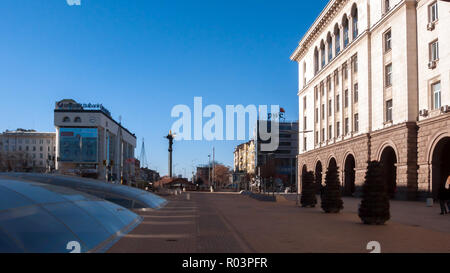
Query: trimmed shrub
(331, 198)
(308, 198)
(374, 207)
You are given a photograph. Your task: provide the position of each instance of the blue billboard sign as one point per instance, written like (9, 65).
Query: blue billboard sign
(78, 145)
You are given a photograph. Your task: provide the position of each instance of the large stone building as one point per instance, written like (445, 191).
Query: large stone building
(27, 150)
(91, 143)
(374, 85)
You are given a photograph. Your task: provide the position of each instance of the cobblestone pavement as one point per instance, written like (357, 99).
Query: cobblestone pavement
(232, 223)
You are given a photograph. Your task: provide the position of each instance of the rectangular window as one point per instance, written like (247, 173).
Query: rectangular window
(433, 12)
(346, 125)
(316, 93)
(323, 134)
(317, 137)
(304, 123)
(436, 90)
(304, 144)
(330, 132)
(388, 110)
(388, 41)
(338, 129)
(304, 103)
(346, 98)
(387, 5)
(434, 51)
(323, 112)
(355, 64)
(337, 103)
(329, 107)
(356, 120)
(317, 115)
(336, 77)
(388, 75)
(345, 71)
(355, 94)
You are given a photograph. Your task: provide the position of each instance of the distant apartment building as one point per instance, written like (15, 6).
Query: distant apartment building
(244, 158)
(91, 143)
(374, 84)
(285, 156)
(27, 150)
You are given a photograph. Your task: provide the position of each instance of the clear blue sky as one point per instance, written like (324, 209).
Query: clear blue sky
(139, 58)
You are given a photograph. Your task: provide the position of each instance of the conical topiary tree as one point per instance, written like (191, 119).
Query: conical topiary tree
(374, 207)
(331, 199)
(308, 198)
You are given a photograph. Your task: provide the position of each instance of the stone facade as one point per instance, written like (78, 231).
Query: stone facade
(374, 85)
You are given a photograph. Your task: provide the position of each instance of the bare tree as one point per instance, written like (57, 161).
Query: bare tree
(222, 175)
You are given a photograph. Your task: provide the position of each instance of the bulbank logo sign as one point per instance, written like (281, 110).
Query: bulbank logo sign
(73, 2)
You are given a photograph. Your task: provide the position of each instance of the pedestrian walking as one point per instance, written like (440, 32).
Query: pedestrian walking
(444, 199)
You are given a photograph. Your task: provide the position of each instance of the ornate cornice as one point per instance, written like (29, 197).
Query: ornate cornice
(326, 16)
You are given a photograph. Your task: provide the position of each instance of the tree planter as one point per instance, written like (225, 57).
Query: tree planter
(374, 207)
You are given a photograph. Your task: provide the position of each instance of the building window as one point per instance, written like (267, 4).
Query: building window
(436, 90)
(304, 103)
(345, 71)
(34, 148)
(329, 107)
(388, 110)
(41, 148)
(388, 41)
(356, 120)
(346, 98)
(336, 77)
(337, 39)
(66, 119)
(346, 125)
(330, 47)
(345, 26)
(338, 129)
(355, 94)
(317, 137)
(387, 5)
(77, 120)
(330, 132)
(388, 75)
(434, 51)
(27, 148)
(323, 112)
(317, 115)
(355, 23)
(304, 144)
(355, 64)
(304, 123)
(433, 12)
(337, 103)
(323, 134)
(316, 93)
(41, 155)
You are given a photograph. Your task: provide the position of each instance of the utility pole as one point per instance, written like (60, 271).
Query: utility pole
(214, 171)
(209, 170)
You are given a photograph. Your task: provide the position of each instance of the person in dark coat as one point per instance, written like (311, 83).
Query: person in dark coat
(443, 196)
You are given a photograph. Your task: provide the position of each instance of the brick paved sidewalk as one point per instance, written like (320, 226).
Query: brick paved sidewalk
(230, 223)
